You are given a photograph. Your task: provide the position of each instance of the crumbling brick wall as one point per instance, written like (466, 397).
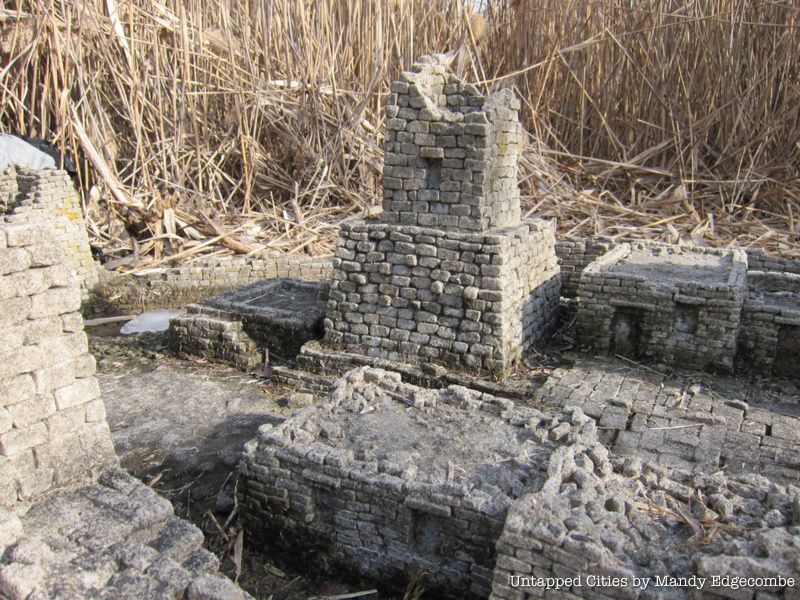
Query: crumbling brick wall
(603, 527)
(50, 196)
(449, 274)
(770, 328)
(173, 287)
(675, 313)
(53, 430)
(758, 260)
(574, 255)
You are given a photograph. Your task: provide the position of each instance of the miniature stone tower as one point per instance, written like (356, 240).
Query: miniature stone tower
(448, 273)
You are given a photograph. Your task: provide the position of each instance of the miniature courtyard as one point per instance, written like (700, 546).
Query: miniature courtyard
(462, 406)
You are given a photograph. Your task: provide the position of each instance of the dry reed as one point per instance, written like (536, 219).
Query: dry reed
(234, 127)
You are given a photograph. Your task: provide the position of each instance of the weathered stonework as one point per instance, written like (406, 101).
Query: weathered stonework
(678, 305)
(574, 255)
(278, 314)
(116, 539)
(723, 423)
(386, 478)
(72, 525)
(390, 478)
(175, 287)
(770, 336)
(28, 196)
(52, 421)
(449, 274)
(601, 529)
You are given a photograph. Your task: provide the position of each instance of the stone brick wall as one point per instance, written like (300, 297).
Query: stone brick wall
(49, 195)
(463, 299)
(603, 528)
(451, 153)
(386, 478)
(8, 190)
(758, 260)
(53, 429)
(770, 331)
(236, 327)
(449, 274)
(688, 320)
(364, 476)
(574, 255)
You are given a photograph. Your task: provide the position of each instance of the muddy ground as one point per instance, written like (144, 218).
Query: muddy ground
(179, 427)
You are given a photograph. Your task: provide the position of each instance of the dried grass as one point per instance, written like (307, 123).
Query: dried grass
(218, 127)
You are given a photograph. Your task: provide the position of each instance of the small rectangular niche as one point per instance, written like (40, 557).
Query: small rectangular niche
(787, 352)
(686, 316)
(433, 173)
(626, 332)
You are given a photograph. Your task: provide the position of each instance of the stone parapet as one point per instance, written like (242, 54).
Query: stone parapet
(451, 153)
(665, 303)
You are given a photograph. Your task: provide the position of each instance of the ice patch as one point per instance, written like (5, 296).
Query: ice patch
(151, 321)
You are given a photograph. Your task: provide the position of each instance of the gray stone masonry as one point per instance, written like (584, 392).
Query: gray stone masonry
(574, 255)
(694, 422)
(770, 333)
(386, 478)
(53, 430)
(191, 283)
(28, 196)
(449, 274)
(62, 534)
(602, 528)
(278, 314)
(113, 540)
(769, 322)
(662, 303)
(451, 153)
(390, 478)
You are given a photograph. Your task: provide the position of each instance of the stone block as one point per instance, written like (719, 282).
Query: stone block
(16, 440)
(54, 302)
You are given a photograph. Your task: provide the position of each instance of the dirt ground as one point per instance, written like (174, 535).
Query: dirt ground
(179, 426)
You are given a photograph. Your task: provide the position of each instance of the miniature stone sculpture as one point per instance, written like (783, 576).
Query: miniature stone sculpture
(449, 273)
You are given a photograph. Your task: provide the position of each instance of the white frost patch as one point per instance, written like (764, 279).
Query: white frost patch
(151, 321)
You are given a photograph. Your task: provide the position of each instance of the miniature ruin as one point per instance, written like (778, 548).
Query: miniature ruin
(448, 273)
(609, 480)
(662, 303)
(490, 497)
(72, 525)
(28, 196)
(770, 338)
(493, 498)
(279, 315)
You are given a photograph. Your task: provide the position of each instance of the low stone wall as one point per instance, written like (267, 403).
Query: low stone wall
(620, 529)
(574, 255)
(758, 260)
(115, 539)
(389, 478)
(386, 478)
(279, 315)
(28, 196)
(52, 422)
(178, 286)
